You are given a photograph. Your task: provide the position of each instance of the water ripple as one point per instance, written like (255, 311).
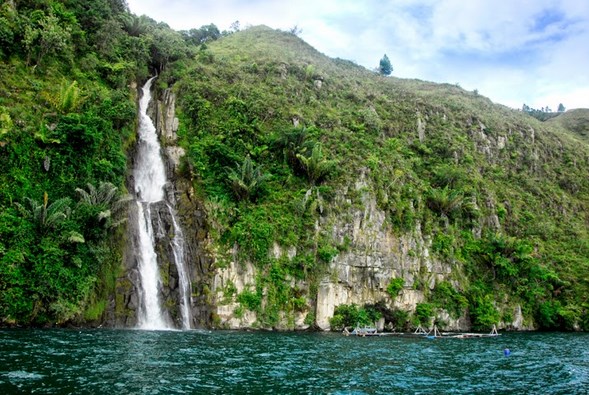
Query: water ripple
(144, 362)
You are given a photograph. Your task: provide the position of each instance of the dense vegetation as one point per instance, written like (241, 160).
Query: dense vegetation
(67, 119)
(274, 133)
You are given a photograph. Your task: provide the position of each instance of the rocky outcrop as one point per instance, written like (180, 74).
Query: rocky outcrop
(376, 255)
(360, 275)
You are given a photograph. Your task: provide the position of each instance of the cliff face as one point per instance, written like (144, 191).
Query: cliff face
(423, 202)
(179, 194)
(360, 275)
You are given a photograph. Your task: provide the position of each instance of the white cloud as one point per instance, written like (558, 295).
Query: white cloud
(529, 52)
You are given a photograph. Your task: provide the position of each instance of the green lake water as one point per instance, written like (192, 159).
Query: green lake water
(104, 361)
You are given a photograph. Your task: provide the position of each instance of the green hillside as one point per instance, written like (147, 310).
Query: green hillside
(503, 197)
(67, 121)
(277, 137)
(575, 121)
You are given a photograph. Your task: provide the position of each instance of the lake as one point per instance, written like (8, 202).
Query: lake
(106, 361)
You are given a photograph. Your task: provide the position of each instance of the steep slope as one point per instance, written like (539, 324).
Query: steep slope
(67, 122)
(336, 195)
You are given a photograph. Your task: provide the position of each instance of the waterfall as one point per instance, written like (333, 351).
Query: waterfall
(184, 280)
(150, 180)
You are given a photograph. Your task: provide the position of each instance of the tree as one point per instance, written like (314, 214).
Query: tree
(316, 167)
(109, 202)
(46, 36)
(385, 67)
(246, 180)
(561, 108)
(45, 216)
(204, 34)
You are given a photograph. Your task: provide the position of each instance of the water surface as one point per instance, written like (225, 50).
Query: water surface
(201, 362)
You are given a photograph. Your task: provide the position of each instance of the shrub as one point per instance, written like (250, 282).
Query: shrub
(446, 297)
(424, 312)
(250, 300)
(395, 286)
(351, 315)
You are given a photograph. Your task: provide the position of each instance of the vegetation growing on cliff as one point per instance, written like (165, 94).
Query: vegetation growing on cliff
(276, 135)
(502, 196)
(67, 119)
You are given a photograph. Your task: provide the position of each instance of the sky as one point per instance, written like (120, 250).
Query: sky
(513, 51)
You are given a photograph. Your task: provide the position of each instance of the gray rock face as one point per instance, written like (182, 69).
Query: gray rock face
(123, 307)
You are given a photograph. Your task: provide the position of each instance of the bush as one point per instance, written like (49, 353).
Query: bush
(424, 313)
(395, 286)
(351, 315)
(250, 300)
(483, 313)
(446, 297)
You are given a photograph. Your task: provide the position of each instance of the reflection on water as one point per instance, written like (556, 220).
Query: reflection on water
(165, 362)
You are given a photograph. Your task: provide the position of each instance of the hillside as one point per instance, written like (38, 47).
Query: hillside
(575, 121)
(496, 199)
(314, 193)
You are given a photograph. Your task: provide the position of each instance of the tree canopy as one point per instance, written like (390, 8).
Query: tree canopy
(385, 67)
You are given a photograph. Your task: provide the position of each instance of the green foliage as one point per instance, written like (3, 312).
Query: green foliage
(385, 67)
(481, 306)
(5, 124)
(444, 202)
(247, 180)
(64, 125)
(316, 167)
(395, 286)
(107, 203)
(69, 97)
(444, 296)
(326, 253)
(400, 319)
(45, 217)
(202, 35)
(352, 315)
(254, 234)
(424, 312)
(250, 300)
(46, 35)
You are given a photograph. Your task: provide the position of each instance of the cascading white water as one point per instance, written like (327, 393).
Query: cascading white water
(149, 313)
(150, 179)
(183, 279)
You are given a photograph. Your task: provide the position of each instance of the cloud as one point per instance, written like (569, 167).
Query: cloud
(514, 52)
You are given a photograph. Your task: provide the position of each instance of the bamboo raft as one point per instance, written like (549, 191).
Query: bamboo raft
(433, 333)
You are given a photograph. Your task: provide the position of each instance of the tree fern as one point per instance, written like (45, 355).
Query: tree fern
(316, 167)
(444, 201)
(69, 97)
(107, 198)
(246, 180)
(45, 215)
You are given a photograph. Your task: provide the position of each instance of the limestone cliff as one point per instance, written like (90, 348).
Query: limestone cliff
(358, 274)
